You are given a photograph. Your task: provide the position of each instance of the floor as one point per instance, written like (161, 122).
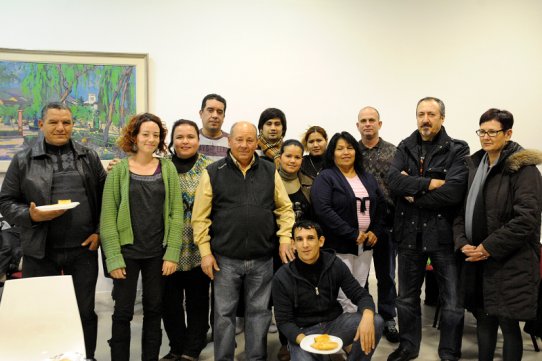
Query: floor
(428, 350)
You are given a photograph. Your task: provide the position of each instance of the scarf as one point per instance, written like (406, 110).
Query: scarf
(475, 206)
(270, 150)
(291, 181)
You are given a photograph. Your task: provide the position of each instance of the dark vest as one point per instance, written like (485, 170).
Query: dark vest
(243, 223)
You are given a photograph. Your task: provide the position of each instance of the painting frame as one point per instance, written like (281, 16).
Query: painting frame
(138, 60)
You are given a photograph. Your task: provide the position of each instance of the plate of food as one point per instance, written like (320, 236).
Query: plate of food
(62, 204)
(322, 344)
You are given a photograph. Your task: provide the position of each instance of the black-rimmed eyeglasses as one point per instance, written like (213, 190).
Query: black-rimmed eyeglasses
(492, 133)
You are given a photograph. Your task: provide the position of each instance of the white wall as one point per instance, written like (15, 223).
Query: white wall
(319, 61)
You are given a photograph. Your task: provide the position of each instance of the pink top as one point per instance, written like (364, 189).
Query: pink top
(364, 218)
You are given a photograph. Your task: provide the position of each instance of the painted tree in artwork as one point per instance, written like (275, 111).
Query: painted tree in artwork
(115, 97)
(46, 82)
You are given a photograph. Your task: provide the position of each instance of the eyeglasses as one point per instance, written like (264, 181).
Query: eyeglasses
(492, 133)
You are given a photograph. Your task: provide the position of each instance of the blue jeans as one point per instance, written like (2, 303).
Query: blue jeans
(256, 276)
(412, 264)
(344, 327)
(384, 257)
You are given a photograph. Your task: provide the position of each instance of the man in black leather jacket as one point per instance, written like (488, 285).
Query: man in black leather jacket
(428, 177)
(58, 242)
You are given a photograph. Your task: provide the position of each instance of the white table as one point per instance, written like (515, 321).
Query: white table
(39, 319)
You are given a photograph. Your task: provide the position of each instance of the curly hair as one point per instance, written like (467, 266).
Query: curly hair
(127, 139)
(311, 130)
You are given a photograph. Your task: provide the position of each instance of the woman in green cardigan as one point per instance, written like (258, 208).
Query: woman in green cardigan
(140, 227)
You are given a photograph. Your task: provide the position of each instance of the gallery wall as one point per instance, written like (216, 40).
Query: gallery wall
(319, 61)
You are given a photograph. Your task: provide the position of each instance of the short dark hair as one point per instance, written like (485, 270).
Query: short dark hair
(213, 97)
(54, 105)
(129, 132)
(329, 157)
(290, 142)
(272, 113)
(175, 125)
(437, 100)
(307, 224)
(502, 116)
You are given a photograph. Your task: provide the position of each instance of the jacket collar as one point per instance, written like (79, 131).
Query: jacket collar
(38, 149)
(414, 139)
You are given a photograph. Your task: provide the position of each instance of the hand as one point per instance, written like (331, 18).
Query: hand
(93, 240)
(112, 163)
(286, 252)
(299, 338)
(119, 273)
(436, 183)
(404, 173)
(366, 332)
(168, 268)
(371, 239)
(208, 265)
(475, 254)
(42, 216)
(409, 199)
(362, 236)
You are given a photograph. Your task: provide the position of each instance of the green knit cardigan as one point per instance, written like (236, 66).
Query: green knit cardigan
(115, 222)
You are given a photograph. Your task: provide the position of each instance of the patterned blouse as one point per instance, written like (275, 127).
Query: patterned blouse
(190, 257)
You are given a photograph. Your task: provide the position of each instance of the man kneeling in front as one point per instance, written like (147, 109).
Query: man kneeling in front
(305, 300)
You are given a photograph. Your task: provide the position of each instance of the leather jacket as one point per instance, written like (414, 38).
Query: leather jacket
(431, 213)
(29, 179)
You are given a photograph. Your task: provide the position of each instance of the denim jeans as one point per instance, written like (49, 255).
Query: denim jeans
(82, 265)
(344, 327)
(256, 276)
(124, 294)
(384, 257)
(411, 273)
(186, 337)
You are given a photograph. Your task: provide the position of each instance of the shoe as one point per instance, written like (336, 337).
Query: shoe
(239, 325)
(402, 354)
(284, 354)
(171, 357)
(391, 333)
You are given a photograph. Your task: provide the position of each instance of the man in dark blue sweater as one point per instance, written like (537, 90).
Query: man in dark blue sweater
(305, 299)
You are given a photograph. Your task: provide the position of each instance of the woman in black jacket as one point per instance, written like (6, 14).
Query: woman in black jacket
(498, 234)
(349, 206)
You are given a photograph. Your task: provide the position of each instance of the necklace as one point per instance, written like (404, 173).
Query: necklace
(313, 166)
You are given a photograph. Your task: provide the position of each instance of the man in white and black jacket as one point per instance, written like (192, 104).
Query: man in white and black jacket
(305, 299)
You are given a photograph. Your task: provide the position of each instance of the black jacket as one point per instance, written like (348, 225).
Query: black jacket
(244, 225)
(432, 212)
(298, 303)
(335, 206)
(513, 203)
(29, 179)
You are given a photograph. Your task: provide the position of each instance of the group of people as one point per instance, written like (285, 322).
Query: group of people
(289, 226)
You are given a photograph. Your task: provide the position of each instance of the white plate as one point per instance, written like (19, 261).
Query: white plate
(309, 340)
(56, 207)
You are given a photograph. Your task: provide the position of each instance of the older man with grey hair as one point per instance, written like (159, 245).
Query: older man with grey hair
(241, 208)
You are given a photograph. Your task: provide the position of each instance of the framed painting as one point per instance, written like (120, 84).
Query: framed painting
(103, 90)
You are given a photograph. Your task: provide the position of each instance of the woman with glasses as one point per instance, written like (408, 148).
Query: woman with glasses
(498, 234)
(350, 208)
